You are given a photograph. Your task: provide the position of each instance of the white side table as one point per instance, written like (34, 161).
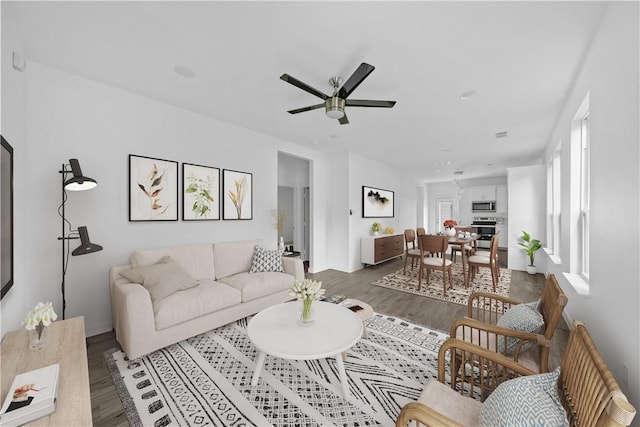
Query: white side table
(275, 331)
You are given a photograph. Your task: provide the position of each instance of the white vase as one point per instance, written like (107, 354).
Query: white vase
(531, 269)
(449, 231)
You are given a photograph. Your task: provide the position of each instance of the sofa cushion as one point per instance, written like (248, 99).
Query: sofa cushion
(197, 259)
(266, 260)
(207, 297)
(161, 279)
(256, 285)
(531, 400)
(233, 257)
(523, 318)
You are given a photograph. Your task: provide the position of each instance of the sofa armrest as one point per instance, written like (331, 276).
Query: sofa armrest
(293, 266)
(134, 319)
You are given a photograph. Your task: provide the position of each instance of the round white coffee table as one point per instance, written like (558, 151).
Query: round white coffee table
(275, 331)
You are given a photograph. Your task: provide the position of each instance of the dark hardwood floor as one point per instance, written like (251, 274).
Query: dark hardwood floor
(107, 409)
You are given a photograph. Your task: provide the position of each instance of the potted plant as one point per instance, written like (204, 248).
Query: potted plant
(530, 247)
(375, 228)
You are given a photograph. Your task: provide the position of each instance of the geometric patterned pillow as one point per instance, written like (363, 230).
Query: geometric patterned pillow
(523, 318)
(531, 400)
(266, 260)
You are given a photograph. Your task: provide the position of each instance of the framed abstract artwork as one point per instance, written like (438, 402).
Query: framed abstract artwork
(6, 216)
(153, 189)
(377, 203)
(200, 192)
(237, 193)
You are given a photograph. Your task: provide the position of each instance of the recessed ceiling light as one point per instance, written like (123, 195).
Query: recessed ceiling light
(184, 71)
(468, 95)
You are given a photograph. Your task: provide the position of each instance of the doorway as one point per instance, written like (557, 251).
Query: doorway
(294, 194)
(444, 210)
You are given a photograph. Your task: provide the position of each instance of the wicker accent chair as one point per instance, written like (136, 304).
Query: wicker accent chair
(588, 392)
(480, 327)
(410, 249)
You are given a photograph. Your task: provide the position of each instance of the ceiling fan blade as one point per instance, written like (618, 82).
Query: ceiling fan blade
(369, 103)
(343, 120)
(356, 78)
(313, 91)
(303, 109)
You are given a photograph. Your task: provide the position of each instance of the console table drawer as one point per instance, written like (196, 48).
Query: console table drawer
(377, 249)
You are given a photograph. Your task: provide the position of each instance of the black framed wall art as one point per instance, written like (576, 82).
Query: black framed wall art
(200, 192)
(153, 189)
(237, 194)
(377, 203)
(6, 216)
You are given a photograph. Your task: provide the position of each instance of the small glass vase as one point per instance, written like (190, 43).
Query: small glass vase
(39, 337)
(306, 313)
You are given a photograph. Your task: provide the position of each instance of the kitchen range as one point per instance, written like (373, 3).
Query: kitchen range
(486, 228)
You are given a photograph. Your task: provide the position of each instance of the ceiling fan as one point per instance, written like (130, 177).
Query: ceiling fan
(335, 104)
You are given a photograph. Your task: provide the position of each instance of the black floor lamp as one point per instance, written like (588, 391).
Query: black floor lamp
(77, 182)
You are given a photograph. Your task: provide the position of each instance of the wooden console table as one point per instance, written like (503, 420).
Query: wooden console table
(377, 249)
(67, 347)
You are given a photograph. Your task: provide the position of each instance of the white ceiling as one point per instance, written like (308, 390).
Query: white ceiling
(520, 58)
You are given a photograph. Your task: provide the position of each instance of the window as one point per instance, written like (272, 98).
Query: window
(583, 224)
(554, 201)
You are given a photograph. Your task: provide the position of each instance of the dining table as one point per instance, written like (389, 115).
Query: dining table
(459, 240)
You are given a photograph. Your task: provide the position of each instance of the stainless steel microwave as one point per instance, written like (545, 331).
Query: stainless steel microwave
(483, 206)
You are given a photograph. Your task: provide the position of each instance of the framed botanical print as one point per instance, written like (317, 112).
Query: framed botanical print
(153, 189)
(237, 193)
(200, 192)
(377, 203)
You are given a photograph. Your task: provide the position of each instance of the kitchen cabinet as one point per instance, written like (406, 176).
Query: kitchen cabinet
(503, 241)
(377, 249)
(483, 192)
(501, 198)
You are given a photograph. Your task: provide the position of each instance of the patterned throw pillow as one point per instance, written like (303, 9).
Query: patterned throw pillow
(531, 400)
(266, 260)
(523, 318)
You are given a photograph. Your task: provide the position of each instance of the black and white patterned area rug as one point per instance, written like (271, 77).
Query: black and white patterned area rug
(408, 282)
(206, 380)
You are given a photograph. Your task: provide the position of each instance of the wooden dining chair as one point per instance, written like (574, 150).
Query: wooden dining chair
(420, 231)
(485, 260)
(436, 246)
(410, 249)
(470, 247)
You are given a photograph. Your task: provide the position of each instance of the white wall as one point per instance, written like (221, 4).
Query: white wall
(527, 204)
(610, 74)
(13, 125)
(364, 171)
(69, 117)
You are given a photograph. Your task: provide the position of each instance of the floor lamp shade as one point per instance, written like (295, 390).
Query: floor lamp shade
(86, 247)
(78, 182)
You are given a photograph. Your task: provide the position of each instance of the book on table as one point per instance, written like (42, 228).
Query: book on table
(32, 395)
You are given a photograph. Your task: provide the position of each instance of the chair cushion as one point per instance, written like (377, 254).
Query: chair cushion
(479, 259)
(436, 261)
(266, 260)
(451, 403)
(523, 318)
(161, 279)
(530, 400)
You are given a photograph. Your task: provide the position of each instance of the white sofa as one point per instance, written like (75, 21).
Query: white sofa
(225, 292)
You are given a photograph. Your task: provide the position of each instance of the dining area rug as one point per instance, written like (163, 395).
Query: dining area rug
(206, 380)
(457, 294)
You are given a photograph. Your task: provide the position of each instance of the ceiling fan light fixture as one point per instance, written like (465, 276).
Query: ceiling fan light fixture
(334, 107)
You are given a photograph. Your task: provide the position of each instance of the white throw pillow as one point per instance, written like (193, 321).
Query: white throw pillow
(266, 260)
(531, 400)
(161, 279)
